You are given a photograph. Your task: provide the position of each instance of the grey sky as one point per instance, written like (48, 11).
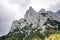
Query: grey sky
(11, 10)
(55, 7)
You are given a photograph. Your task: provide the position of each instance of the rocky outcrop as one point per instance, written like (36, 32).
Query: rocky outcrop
(35, 19)
(31, 17)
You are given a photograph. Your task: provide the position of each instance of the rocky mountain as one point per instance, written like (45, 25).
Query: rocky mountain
(31, 17)
(37, 19)
(33, 24)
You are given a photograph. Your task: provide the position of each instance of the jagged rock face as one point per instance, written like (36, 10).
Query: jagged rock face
(33, 17)
(18, 24)
(37, 19)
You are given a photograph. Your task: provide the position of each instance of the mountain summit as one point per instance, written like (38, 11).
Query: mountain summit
(42, 11)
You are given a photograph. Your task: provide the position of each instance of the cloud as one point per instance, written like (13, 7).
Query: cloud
(55, 7)
(11, 10)
(22, 3)
(6, 18)
(39, 4)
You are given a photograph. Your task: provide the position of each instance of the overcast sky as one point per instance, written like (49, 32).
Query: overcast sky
(11, 10)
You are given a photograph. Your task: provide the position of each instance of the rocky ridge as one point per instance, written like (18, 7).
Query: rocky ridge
(34, 25)
(35, 19)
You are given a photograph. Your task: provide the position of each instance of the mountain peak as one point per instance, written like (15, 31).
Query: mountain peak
(31, 9)
(42, 10)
